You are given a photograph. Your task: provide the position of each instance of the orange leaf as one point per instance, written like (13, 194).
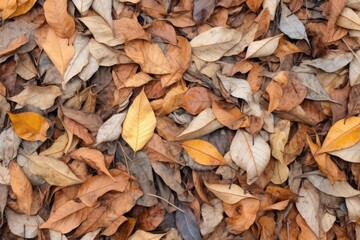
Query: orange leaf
(58, 18)
(230, 115)
(21, 187)
(29, 126)
(203, 152)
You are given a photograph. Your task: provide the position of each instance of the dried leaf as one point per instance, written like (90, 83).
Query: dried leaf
(111, 129)
(230, 116)
(140, 234)
(212, 216)
(279, 138)
(348, 19)
(79, 131)
(343, 134)
(103, 9)
(82, 5)
(350, 154)
(106, 56)
(21, 187)
(41, 97)
(25, 66)
(22, 225)
(29, 126)
(186, 224)
(238, 88)
(140, 122)
(58, 18)
(281, 173)
(263, 48)
(9, 144)
(54, 171)
(354, 72)
(196, 100)
(331, 62)
(129, 29)
(228, 193)
(203, 152)
(291, 25)
(211, 45)
(251, 153)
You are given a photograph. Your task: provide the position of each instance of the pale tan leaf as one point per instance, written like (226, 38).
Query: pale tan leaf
(22, 225)
(57, 149)
(102, 31)
(211, 216)
(348, 19)
(291, 25)
(202, 124)
(279, 138)
(4, 175)
(250, 153)
(331, 62)
(54, 171)
(263, 48)
(9, 145)
(352, 205)
(354, 69)
(41, 97)
(281, 173)
(111, 129)
(58, 18)
(140, 122)
(25, 66)
(327, 221)
(82, 5)
(350, 154)
(103, 8)
(228, 193)
(140, 234)
(271, 5)
(211, 45)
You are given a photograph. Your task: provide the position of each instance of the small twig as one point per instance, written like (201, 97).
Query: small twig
(152, 195)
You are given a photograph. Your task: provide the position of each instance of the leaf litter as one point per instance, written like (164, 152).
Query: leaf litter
(179, 119)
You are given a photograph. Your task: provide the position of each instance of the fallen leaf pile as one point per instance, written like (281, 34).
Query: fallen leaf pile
(180, 119)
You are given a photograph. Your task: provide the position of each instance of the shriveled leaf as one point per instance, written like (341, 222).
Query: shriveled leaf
(140, 122)
(331, 62)
(308, 206)
(250, 153)
(263, 48)
(102, 31)
(291, 25)
(186, 224)
(228, 193)
(201, 125)
(149, 56)
(29, 126)
(21, 186)
(41, 97)
(58, 18)
(54, 171)
(203, 152)
(343, 134)
(22, 225)
(338, 189)
(96, 186)
(111, 129)
(211, 45)
(67, 217)
(93, 158)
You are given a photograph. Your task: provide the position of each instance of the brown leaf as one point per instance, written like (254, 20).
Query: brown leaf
(196, 100)
(203, 10)
(21, 187)
(130, 29)
(149, 218)
(157, 150)
(79, 131)
(162, 30)
(149, 56)
(90, 121)
(230, 115)
(14, 45)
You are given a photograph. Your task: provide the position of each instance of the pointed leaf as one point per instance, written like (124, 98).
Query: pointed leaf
(29, 126)
(291, 25)
(22, 225)
(140, 122)
(203, 152)
(263, 48)
(82, 5)
(251, 153)
(228, 193)
(111, 129)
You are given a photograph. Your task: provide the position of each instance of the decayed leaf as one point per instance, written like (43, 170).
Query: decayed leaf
(348, 19)
(82, 5)
(101, 31)
(58, 49)
(140, 122)
(251, 153)
(338, 189)
(54, 171)
(67, 217)
(308, 206)
(21, 187)
(263, 48)
(211, 45)
(80, 59)
(92, 157)
(186, 224)
(350, 154)
(228, 193)
(149, 56)
(203, 152)
(279, 138)
(58, 18)
(141, 234)
(41, 97)
(291, 25)
(22, 225)
(111, 129)
(331, 62)
(201, 125)
(29, 126)
(343, 134)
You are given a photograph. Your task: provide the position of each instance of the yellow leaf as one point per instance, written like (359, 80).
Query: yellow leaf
(10, 7)
(203, 152)
(29, 126)
(140, 122)
(23, 8)
(58, 18)
(343, 134)
(58, 49)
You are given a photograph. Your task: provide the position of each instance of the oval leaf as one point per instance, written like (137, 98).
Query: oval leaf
(203, 152)
(263, 48)
(228, 193)
(140, 122)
